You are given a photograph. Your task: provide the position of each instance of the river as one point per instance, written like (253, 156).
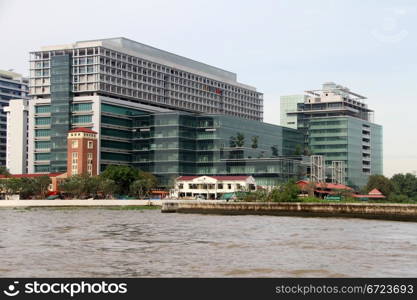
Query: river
(130, 243)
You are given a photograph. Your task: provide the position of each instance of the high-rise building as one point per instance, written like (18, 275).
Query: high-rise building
(100, 84)
(122, 68)
(289, 104)
(338, 124)
(12, 86)
(153, 110)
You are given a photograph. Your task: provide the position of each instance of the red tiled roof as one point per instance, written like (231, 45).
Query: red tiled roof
(221, 178)
(82, 129)
(32, 175)
(369, 196)
(330, 186)
(375, 192)
(333, 186)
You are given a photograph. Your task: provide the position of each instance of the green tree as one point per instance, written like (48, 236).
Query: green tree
(4, 171)
(27, 188)
(255, 196)
(255, 141)
(298, 150)
(274, 150)
(12, 186)
(108, 187)
(240, 139)
(40, 185)
(232, 142)
(405, 184)
(285, 193)
(123, 176)
(380, 182)
(73, 186)
(143, 184)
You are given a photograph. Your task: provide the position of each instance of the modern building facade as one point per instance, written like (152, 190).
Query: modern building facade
(176, 143)
(72, 85)
(12, 86)
(108, 116)
(17, 138)
(337, 124)
(126, 69)
(154, 110)
(170, 143)
(289, 104)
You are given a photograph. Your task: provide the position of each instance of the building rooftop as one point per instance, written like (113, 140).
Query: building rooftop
(83, 129)
(32, 175)
(337, 89)
(10, 75)
(220, 178)
(144, 51)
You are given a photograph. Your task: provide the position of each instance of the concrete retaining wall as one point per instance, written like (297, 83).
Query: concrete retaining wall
(86, 203)
(406, 212)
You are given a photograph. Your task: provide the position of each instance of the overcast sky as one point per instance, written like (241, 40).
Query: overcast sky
(280, 47)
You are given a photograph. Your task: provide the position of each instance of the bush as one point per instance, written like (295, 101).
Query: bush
(285, 193)
(398, 198)
(256, 196)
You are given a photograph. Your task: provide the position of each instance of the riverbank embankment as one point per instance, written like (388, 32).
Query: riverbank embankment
(401, 212)
(77, 203)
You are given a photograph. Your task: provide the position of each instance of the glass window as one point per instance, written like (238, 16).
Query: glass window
(82, 119)
(42, 121)
(43, 109)
(74, 145)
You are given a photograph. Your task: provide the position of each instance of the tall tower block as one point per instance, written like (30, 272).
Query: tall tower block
(82, 152)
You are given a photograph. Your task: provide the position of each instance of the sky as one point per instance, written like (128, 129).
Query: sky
(280, 47)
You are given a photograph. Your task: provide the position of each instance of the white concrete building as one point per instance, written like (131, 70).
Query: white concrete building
(17, 140)
(211, 187)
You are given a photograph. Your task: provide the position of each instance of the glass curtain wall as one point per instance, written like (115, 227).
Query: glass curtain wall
(61, 96)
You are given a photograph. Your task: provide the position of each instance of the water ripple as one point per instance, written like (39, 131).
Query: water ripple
(112, 243)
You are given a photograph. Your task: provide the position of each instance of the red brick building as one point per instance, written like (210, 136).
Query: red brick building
(82, 152)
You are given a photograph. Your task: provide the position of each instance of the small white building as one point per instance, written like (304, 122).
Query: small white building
(211, 187)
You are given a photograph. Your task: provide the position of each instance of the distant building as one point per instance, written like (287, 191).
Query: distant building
(172, 144)
(212, 187)
(289, 104)
(338, 125)
(12, 86)
(17, 139)
(153, 110)
(101, 84)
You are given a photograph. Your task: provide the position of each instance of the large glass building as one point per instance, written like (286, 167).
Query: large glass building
(173, 144)
(337, 124)
(154, 110)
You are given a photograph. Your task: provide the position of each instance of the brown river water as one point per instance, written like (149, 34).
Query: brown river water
(132, 243)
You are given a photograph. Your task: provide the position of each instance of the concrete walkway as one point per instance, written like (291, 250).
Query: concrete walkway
(63, 203)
